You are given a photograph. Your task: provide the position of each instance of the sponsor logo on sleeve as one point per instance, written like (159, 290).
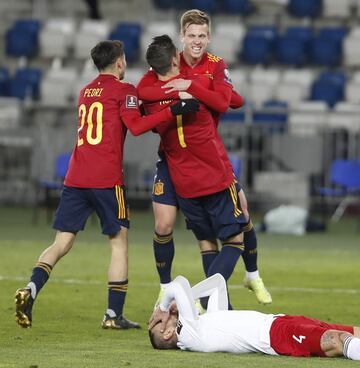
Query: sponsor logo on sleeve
(227, 76)
(131, 102)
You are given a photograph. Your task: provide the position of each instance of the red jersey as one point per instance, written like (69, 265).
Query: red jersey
(210, 66)
(107, 107)
(214, 89)
(193, 152)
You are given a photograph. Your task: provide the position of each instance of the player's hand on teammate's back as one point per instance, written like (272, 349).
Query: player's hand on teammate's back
(177, 85)
(185, 106)
(159, 316)
(185, 95)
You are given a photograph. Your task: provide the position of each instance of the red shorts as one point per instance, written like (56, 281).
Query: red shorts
(300, 336)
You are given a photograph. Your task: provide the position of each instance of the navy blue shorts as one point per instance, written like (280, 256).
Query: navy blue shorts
(214, 216)
(77, 204)
(163, 188)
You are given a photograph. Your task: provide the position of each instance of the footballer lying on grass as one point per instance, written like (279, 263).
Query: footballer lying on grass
(175, 323)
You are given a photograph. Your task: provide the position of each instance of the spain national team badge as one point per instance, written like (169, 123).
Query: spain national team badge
(158, 188)
(131, 102)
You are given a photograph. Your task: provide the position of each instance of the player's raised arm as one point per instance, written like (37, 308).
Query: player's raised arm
(149, 92)
(130, 114)
(214, 287)
(218, 98)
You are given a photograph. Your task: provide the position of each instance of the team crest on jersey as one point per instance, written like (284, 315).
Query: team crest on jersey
(131, 102)
(227, 76)
(158, 188)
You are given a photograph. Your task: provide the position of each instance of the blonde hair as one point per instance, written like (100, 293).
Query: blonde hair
(194, 16)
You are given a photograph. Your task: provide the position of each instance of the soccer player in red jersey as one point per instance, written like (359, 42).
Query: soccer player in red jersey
(194, 60)
(175, 324)
(204, 185)
(94, 181)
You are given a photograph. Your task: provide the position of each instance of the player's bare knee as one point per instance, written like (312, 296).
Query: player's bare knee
(331, 343)
(164, 227)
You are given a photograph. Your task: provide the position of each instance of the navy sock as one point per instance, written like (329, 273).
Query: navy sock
(39, 277)
(164, 254)
(226, 260)
(116, 295)
(208, 257)
(250, 252)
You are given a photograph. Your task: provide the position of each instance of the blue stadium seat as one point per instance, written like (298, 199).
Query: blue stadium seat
(163, 4)
(130, 34)
(52, 188)
(26, 81)
(238, 117)
(237, 6)
(292, 48)
(183, 5)
(326, 47)
(22, 38)
(259, 44)
(4, 81)
(345, 183)
(236, 164)
(305, 8)
(329, 87)
(208, 6)
(274, 115)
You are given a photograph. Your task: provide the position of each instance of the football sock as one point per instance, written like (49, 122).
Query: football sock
(252, 275)
(40, 274)
(250, 252)
(226, 260)
(208, 256)
(164, 254)
(351, 349)
(116, 296)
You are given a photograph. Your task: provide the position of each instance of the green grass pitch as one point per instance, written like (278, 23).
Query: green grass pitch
(316, 275)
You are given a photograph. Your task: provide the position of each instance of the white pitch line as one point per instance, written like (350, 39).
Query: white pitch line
(152, 284)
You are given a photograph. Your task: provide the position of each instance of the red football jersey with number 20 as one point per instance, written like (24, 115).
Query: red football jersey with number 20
(107, 107)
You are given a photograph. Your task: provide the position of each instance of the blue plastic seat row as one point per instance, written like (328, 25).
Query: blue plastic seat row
(297, 8)
(25, 82)
(243, 7)
(296, 47)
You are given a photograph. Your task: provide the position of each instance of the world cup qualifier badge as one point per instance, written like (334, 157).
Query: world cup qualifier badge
(131, 102)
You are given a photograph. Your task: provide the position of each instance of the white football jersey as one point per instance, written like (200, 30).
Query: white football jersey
(227, 331)
(218, 330)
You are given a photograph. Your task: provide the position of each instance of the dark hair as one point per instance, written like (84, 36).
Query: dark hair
(105, 53)
(160, 53)
(157, 342)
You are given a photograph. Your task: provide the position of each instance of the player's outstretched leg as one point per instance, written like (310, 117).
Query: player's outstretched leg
(25, 297)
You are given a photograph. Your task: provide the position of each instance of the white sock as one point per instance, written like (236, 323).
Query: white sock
(32, 288)
(111, 313)
(252, 275)
(351, 349)
(164, 286)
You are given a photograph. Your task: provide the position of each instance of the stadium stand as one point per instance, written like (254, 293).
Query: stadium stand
(56, 37)
(294, 61)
